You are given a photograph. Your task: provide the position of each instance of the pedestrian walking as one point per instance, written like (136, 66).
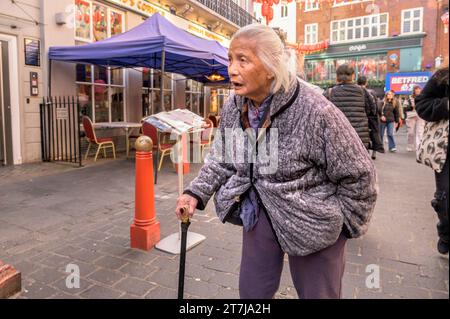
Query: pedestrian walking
(351, 100)
(414, 123)
(432, 106)
(376, 144)
(389, 118)
(320, 191)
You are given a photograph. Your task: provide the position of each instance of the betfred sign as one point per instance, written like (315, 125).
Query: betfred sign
(403, 83)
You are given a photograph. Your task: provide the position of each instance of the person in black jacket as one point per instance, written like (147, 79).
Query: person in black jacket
(351, 100)
(432, 106)
(389, 118)
(374, 121)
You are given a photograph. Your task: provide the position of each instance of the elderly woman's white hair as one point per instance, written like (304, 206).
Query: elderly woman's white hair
(272, 53)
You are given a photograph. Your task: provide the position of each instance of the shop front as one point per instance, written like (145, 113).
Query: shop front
(373, 59)
(105, 93)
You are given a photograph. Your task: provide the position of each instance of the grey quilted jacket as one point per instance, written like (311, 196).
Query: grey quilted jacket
(317, 182)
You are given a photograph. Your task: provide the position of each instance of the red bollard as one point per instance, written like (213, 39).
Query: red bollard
(145, 231)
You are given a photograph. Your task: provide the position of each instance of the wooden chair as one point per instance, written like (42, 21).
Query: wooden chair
(164, 148)
(102, 143)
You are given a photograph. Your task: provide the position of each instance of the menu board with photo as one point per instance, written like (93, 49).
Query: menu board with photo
(83, 20)
(116, 23)
(32, 52)
(99, 22)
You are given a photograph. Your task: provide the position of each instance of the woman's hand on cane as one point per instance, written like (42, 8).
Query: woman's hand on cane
(185, 202)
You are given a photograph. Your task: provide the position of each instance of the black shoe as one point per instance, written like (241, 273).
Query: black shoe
(374, 157)
(442, 247)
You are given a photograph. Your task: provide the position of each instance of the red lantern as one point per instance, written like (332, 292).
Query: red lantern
(86, 18)
(97, 17)
(276, 1)
(444, 19)
(270, 14)
(265, 9)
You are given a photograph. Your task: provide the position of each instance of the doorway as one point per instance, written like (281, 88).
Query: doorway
(6, 154)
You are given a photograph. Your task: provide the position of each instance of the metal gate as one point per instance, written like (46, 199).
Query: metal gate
(60, 130)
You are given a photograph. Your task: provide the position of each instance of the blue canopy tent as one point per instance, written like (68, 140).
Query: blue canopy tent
(157, 44)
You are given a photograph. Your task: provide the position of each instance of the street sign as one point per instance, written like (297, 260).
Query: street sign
(62, 114)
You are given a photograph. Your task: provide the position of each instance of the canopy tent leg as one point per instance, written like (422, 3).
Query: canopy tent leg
(161, 96)
(161, 89)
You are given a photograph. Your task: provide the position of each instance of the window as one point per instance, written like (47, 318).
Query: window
(339, 3)
(311, 33)
(194, 96)
(374, 67)
(100, 90)
(284, 11)
(311, 5)
(217, 100)
(151, 95)
(360, 28)
(412, 20)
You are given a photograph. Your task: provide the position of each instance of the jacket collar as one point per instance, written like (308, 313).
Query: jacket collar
(280, 100)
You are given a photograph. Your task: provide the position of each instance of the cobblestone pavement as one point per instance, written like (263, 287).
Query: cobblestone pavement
(53, 215)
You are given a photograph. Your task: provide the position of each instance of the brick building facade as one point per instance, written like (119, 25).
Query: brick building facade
(377, 37)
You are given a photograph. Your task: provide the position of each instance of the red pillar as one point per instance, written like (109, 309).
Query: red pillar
(145, 231)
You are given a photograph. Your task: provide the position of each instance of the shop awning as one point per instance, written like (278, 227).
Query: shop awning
(147, 45)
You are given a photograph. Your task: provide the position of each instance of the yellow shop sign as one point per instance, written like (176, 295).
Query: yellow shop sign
(139, 6)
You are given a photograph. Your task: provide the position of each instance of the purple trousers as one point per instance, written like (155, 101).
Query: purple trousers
(316, 276)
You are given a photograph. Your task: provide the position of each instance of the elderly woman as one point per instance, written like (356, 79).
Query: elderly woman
(310, 188)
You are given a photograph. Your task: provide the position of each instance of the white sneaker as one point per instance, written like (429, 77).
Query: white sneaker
(393, 150)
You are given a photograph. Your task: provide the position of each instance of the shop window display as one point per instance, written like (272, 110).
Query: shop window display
(115, 23)
(151, 91)
(84, 93)
(100, 89)
(217, 100)
(99, 22)
(194, 96)
(324, 71)
(101, 104)
(83, 20)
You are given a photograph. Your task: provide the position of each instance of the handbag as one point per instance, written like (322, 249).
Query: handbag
(432, 150)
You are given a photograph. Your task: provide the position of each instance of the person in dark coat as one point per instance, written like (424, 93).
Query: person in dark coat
(432, 106)
(351, 100)
(376, 144)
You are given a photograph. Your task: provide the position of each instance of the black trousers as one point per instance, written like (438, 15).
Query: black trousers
(440, 202)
